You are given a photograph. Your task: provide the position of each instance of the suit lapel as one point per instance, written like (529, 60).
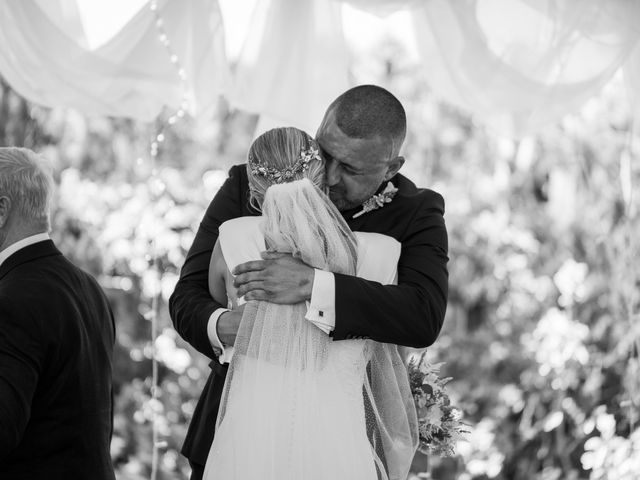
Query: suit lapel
(27, 254)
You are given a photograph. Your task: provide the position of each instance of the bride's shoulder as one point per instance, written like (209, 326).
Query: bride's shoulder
(241, 240)
(377, 241)
(239, 225)
(378, 257)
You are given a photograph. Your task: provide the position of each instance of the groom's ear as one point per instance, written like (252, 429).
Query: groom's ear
(393, 167)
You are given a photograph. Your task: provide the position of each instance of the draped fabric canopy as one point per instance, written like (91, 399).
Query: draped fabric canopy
(516, 65)
(44, 56)
(519, 65)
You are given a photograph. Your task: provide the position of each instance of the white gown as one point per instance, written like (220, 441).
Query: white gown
(317, 431)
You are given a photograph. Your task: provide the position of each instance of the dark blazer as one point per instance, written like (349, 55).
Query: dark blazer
(409, 314)
(56, 341)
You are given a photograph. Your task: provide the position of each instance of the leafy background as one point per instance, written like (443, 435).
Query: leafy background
(541, 336)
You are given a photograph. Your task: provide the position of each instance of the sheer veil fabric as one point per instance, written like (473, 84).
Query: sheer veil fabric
(295, 403)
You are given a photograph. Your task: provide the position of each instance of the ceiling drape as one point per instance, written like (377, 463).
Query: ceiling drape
(515, 65)
(45, 58)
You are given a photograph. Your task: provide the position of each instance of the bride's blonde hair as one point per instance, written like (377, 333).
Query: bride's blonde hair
(280, 149)
(287, 184)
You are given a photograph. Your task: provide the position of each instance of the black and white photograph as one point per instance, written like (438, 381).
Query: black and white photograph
(319, 240)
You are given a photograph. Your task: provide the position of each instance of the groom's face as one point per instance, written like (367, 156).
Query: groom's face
(356, 167)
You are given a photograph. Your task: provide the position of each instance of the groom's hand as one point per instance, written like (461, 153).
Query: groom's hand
(277, 278)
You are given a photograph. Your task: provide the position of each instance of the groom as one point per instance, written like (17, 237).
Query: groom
(360, 138)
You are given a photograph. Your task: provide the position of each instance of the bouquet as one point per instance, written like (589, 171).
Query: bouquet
(439, 424)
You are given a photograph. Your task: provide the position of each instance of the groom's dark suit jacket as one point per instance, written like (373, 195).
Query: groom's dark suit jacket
(56, 341)
(409, 314)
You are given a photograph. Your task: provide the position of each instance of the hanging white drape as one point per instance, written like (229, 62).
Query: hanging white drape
(632, 81)
(45, 58)
(294, 62)
(518, 65)
(515, 65)
(381, 7)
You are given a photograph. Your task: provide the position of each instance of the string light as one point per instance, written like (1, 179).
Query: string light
(163, 37)
(157, 188)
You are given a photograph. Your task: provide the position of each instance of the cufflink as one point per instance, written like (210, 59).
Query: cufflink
(321, 313)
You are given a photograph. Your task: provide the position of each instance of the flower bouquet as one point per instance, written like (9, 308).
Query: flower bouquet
(439, 424)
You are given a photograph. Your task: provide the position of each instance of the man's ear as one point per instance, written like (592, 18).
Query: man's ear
(5, 208)
(393, 166)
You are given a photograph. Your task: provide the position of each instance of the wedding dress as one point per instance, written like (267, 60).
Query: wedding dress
(296, 404)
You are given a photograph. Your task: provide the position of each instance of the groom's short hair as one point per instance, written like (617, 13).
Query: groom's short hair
(368, 111)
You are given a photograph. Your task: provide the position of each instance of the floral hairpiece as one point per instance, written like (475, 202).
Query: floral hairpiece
(285, 175)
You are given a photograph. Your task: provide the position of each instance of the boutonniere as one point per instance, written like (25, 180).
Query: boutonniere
(378, 201)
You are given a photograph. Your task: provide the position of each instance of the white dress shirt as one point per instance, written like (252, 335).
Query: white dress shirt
(20, 244)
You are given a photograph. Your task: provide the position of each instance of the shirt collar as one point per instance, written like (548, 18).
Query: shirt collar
(20, 244)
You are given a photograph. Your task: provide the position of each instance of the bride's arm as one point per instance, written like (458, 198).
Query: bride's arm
(217, 272)
(222, 333)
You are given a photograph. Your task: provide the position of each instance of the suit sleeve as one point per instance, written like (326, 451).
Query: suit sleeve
(191, 304)
(412, 312)
(21, 357)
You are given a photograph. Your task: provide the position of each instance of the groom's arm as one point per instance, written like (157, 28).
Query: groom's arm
(191, 305)
(412, 312)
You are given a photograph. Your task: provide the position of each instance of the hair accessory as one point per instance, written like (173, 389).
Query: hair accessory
(285, 175)
(379, 200)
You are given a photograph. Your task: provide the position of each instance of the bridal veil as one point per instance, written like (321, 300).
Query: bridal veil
(295, 403)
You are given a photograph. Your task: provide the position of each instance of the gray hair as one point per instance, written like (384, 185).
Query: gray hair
(26, 179)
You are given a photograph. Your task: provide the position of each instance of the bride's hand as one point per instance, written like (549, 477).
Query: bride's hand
(277, 278)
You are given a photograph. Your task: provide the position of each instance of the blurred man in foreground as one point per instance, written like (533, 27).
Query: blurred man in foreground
(56, 341)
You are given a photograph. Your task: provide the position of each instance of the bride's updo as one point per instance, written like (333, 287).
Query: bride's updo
(287, 182)
(278, 156)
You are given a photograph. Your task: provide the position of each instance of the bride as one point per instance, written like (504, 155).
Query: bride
(296, 404)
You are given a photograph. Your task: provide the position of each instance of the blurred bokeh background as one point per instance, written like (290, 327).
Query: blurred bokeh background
(542, 333)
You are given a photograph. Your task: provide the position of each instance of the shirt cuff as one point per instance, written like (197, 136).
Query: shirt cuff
(223, 353)
(321, 310)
